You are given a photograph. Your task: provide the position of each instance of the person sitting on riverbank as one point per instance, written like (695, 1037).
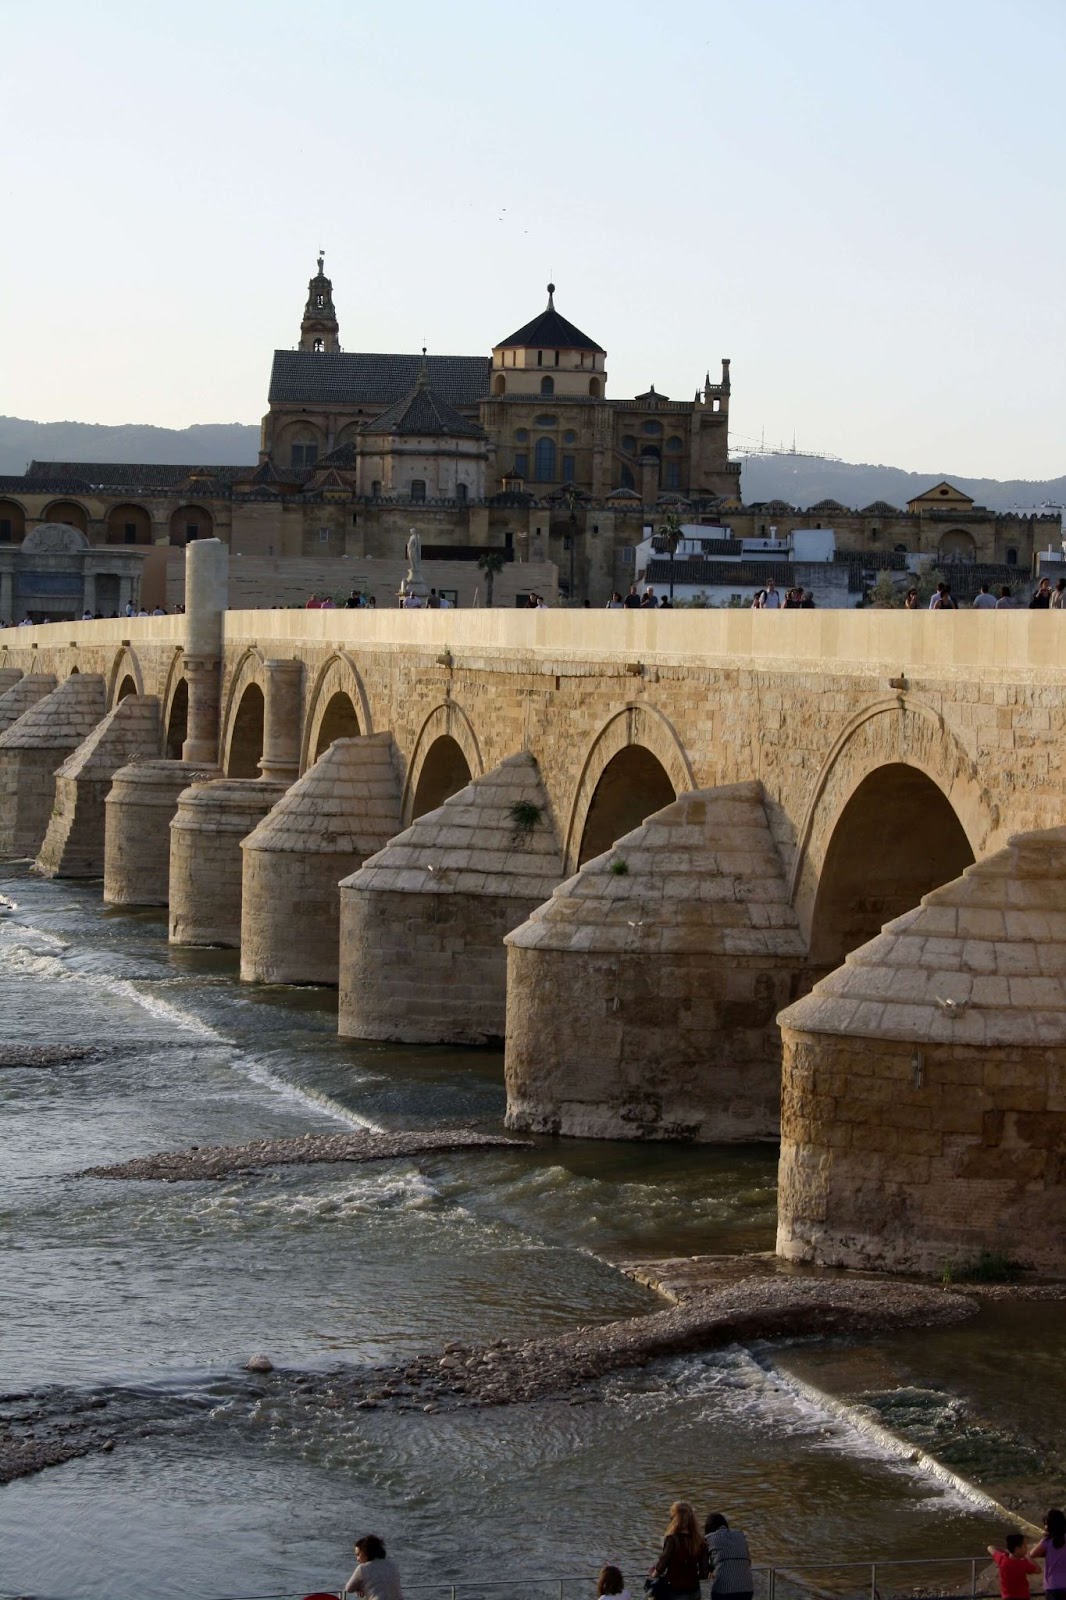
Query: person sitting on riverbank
(1014, 1566)
(684, 1560)
(1051, 1550)
(611, 1582)
(730, 1562)
(376, 1577)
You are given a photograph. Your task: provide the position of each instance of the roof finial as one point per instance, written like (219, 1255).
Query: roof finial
(321, 260)
(551, 302)
(423, 371)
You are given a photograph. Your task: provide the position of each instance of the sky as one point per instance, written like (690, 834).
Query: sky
(859, 202)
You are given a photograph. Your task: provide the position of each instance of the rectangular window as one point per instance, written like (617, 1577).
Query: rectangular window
(310, 454)
(129, 532)
(556, 358)
(5, 530)
(673, 475)
(323, 535)
(521, 464)
(569, 469)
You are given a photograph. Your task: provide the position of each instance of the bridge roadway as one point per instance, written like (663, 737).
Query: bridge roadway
(678, 821)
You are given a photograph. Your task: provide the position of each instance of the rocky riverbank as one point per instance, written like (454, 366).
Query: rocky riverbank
(210, 1162)
(567, 1365)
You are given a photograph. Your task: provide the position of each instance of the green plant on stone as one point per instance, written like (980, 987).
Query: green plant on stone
(619, 868)
(525, 816)
(991, 1266)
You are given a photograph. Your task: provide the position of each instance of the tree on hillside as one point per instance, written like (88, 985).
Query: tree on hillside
(491, 564)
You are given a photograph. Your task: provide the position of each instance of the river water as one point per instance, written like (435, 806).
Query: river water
(151, 1297)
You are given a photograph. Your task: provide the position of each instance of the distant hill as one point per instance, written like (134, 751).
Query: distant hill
(208, 444)
(801, 480)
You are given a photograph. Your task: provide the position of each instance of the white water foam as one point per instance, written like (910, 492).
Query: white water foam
(24, 955)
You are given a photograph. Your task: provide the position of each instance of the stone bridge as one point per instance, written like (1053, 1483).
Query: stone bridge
(624, 842)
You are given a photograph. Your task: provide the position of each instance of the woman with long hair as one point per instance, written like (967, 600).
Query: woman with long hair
(683, 1560)
(1052, 1552)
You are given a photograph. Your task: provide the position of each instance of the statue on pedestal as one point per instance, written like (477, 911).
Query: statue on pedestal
(414, 584)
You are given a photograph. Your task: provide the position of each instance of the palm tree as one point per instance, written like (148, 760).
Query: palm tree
(668, 538)
(490, 564)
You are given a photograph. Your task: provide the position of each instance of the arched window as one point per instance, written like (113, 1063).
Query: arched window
(460, 492)
(318, 347)
(499, 384)
(594, 388)
(547, 385)
(1012, 558)
(418, 489)
(675, 443)
(320, 301)
(544, 461)
(900, 549)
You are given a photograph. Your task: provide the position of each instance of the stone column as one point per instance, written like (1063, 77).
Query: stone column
(88, 590)
(7, 595)
(206, 587)
(280, 761)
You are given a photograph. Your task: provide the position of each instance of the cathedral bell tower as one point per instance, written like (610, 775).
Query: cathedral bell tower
(318, 330)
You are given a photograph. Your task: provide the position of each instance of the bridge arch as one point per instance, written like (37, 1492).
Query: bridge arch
(124, 667)
(445, 758)
(244, 716)
(338, 708)
(635, 765)
(897, 810)
(175, 705)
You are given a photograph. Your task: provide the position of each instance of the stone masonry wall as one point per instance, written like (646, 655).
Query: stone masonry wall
(909, 1160)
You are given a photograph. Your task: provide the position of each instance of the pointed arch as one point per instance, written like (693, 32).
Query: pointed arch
(897, 732)
(634, 725)
(446, 721)
(338, 675)
(125, 665)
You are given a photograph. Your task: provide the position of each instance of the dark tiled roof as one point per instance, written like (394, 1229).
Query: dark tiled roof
(42, 485)
(552, 330)
(710, 573)
(425, 413)
(122, 474)
(343, 377)
(828, 505)
(883, 508)
(344, 457)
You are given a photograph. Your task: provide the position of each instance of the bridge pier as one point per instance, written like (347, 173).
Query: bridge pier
(206, 589)
(23, 694)
(423, 921)
(9, 676)
(346, 807)
(138, 812)
(30, 751)
(641, 997)
(205, 857)
(73, 846)
(924, 1081)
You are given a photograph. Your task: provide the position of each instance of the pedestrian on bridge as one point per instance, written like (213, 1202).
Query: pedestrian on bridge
(376, 1577)
(730, 1562)
(684, 1561)
(1052, 1552)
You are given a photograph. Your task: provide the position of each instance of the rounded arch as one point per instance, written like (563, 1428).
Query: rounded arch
(12, 522)
(337, 676)
(594, 388)
(191, 522)
(892, 733)
(875, 869)
(129, 524)
(299, 443)
(125, 665)
(958, 545)
(69, 511)
(445, 722)
(174, 686)
(635, 725)
(244, 747)
(499, 384)
(248, 672)
(176, 720)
